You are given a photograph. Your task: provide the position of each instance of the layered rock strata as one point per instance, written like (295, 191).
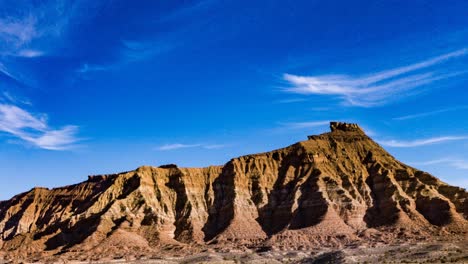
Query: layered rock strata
(335, 189)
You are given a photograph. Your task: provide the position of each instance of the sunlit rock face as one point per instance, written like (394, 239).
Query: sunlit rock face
(333, 189)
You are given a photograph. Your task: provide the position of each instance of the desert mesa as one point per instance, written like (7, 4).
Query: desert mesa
(337, 189)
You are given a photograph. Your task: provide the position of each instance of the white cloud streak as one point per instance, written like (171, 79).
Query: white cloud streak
(431, 113)
(34, 129)
(374, 89)
(30, 53)
(290, 101)
(453, 162)
(36, 30)
(420, 142)
(132, 51)
(177, 146)
(6, 72)
(17, 32)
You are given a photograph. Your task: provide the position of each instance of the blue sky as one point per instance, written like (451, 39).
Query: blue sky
(92, 87)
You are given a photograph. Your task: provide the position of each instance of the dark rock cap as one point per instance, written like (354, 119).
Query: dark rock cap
(346, 127)
(168, 166)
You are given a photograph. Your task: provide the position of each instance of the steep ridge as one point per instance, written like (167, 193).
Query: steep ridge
(335, 189)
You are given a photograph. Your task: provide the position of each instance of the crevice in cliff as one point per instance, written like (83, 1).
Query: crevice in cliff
(312, 205)
(384, 210)
(68, 234)
(435, 210)
(182, 209)
(277, 213)
(222, 211)
(15, 219)
(76, 233)
(98, 187)
(458, 196)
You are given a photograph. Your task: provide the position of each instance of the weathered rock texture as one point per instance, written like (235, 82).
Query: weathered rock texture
(334, 189)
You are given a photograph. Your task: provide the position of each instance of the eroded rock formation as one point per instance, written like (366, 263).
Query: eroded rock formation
(334, 189)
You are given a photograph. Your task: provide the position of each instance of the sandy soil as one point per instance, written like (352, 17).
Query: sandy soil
(427, 252)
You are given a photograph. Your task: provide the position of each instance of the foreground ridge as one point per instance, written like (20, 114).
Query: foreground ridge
(335, 189)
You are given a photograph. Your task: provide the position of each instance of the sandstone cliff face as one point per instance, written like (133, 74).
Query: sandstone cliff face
(334, 189)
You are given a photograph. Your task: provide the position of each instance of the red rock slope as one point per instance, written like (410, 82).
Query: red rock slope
(335, 189)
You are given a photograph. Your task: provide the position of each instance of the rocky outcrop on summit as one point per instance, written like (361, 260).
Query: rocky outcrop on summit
(334, 189)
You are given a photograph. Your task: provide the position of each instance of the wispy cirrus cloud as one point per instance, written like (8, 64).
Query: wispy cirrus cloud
(48, 28)
(420, 142)
(30, 53)
(32, 29)
(177, 146)
(7, 97)
(290, 101)
(29, 29)
(130, 51)
(34, 129)
(430, 113)
(132, 47)
(376, 88)
(6, 72)
(139, 50)
(18, 31)
(453, 162)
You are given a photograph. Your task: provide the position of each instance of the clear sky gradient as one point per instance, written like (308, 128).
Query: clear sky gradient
(93, 87)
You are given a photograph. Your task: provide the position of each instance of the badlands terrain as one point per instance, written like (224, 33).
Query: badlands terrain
(336, 197)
